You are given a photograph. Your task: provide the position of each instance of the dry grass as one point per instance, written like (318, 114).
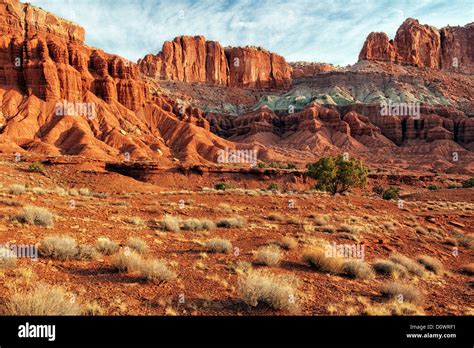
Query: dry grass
(135, 220)
(218, 245)
(86, 252)
(16, 189)
(35, 216)
(268, 256)
(393, 308)
(126, 261)
(155, 270)
(83, 191)
(198, 225)
(357, 269)
(137, 244)
(431, 264)
(317, 259)
(287, 243)
(7, 258)
(233, 222)
(468, 269)
(411, 265)
(58, 247)
(43, 300)
(275, 217)
(106, 246)
(278, 292)
(389, 268)
(170, 223)
(402, 292)
(321, 220)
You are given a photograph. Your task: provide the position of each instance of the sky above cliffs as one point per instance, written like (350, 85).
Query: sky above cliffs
(331, 31)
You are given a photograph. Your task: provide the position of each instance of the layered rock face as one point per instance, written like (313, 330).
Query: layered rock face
(424, 46)
(193, 59)
(45, 56)
(305, 69)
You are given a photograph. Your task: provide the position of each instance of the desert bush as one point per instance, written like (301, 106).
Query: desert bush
(16, 189)
(7, 258)
(431, 264)
(58, 247)
(337, 175)
(126, 260)
(84, 191)
(135, 220)
(137, 244)
(389, 268)
(233, 222)
(288, 243)
(468, 269)
(466, 241)
(222, 186)
(155, 270)
(272, 187)
(36, 167)
(60, 191)
(35, 216)
(218, 245)
(433, 187)
(402, 292)
(268, 256)
(86, 252)
(468, 183)
(43, 300)
(357, 269)
(106, 246)
(170, 223)
(391, 193)
(452, 186)
(73, 192)
(411, 265)
(321, 220)
(291, 166)
(378, 189)
(317, 259)
(278, 292)
(275, 217)
(198, 225)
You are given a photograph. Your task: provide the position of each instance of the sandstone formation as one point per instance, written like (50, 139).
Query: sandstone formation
(424, 46)
(304, 69)
(193, 59)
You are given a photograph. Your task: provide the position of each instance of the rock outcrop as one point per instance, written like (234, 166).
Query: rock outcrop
(193, 59)
(424, 46)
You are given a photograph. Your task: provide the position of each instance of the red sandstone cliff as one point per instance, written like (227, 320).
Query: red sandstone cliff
(424, 46)
(193, 59)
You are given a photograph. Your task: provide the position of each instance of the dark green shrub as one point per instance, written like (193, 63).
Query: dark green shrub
(222, 186)
(468, 183)
(391, 193)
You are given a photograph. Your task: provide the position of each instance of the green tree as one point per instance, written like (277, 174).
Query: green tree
(337, 174)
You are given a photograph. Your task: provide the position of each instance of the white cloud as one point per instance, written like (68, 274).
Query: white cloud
(327, 30)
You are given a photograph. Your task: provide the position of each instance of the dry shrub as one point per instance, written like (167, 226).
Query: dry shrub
(35, 216)
(43, 300)
(7, 258)
(268, 256)
(389, 268)
(317, 258)
(170, 223)
(233, 222)
(135, 220)
(16, 189)
(275, 217)
(58, 247)
(393, 307)
(155, 270)
(431, 264)
(198, 225)
(106, 246)
(84, 191)
(278, 292)
(288, 243)
(321, 220)
(86, 252)
(126, 261)
(357, 269)
(218, 245)
(468, 269)
(411, 265)
(137, 244)
(402, 292)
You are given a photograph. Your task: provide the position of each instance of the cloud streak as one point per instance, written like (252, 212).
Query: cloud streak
(330, 31)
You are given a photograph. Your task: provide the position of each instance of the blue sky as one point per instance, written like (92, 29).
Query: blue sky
(331, 31)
